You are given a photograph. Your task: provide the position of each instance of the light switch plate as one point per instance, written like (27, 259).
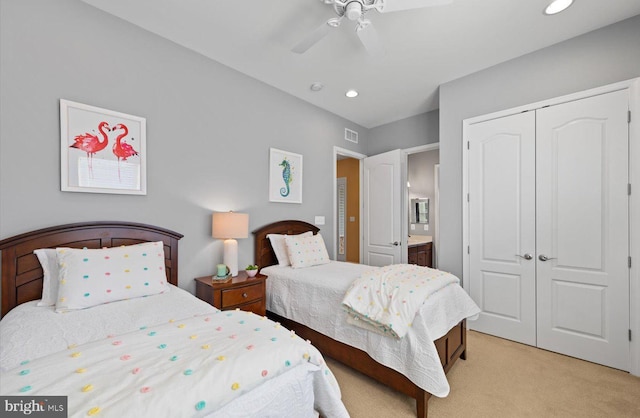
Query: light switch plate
(319, 220)
(413, 227)
(426, 227)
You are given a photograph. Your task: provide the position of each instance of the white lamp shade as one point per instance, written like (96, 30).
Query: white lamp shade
(227, 225)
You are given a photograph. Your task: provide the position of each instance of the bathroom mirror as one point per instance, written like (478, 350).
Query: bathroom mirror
(420, 210)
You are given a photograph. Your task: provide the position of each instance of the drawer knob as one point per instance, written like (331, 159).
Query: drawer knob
(244, 295)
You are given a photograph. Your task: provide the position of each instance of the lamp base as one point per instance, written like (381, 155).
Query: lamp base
(231, 256)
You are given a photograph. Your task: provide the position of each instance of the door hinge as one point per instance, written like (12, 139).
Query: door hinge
(629, 189)
(468, 249)
(468, 145)
(628, 116)
(468, 197)
(629, 335)
(629, 261)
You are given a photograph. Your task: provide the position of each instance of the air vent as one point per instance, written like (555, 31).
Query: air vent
(350, 135)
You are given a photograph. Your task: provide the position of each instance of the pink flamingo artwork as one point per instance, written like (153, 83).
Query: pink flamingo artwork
(91, 144)
(121, 149)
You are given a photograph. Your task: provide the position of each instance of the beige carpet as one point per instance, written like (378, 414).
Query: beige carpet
(501, 378)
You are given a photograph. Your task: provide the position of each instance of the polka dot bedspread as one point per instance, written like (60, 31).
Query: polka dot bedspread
(389, 297)
(184, 367)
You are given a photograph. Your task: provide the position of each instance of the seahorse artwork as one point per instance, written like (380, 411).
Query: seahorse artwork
(286, 176)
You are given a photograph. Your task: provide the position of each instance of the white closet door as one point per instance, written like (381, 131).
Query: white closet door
(502, 226)
(583, 228)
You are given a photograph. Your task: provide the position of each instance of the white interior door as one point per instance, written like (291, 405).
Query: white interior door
(501, 178)
(383, 208)
(583, 229)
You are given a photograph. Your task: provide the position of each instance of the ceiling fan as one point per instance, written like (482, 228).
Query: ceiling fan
(355, 10)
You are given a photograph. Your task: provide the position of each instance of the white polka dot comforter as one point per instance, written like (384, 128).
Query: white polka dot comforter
(388, 298)
(213, 363)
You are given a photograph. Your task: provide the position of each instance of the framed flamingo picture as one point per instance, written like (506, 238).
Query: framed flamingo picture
(285, 176)
(102, 151)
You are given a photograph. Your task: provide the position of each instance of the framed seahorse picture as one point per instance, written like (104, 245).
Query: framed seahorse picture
(285, 176)
(101, 151)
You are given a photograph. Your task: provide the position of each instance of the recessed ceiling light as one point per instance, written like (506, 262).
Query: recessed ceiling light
(316, 86)
(556, 6)
(351, 93)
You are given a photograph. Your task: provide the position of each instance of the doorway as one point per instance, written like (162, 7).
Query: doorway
(347, 198)
(423, 164)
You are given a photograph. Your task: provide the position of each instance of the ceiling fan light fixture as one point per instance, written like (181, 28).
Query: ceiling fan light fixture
(351, 93)
(557, 6)
(353, 11)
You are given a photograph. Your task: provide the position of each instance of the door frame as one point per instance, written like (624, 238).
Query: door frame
(351, 154)
(634, 201)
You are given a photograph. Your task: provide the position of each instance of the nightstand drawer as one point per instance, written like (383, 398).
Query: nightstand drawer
(256, 307)
(240, 295)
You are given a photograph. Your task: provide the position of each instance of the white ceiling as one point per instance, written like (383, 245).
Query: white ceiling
(423, 48)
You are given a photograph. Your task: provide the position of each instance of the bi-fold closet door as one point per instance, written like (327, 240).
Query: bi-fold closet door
(549, 227)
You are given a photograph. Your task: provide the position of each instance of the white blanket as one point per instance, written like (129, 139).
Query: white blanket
(389, 297)
(154, 356)
(312, 296)
(205, 362)
(30, 332)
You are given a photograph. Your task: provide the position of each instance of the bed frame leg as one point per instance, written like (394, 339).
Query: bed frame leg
(422, 403)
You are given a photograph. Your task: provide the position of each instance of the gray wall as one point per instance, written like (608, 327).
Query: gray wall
(209, 129)
(406, 133)
(598, 58)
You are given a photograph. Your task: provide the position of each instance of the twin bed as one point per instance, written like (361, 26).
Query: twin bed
(414, 365)
(170, 353)
(167, 354)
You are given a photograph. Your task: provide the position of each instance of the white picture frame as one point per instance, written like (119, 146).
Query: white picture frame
(101, 151)
(285, 176)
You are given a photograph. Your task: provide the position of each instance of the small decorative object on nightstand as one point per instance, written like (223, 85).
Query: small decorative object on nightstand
(252, 270)
(243, 292)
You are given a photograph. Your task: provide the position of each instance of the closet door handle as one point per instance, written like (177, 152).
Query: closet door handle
(527, 256)
(543, 257)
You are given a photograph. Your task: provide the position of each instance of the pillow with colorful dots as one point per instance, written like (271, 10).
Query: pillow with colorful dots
(90, 277)
(306, 251)
(280, 248)
(49, 263)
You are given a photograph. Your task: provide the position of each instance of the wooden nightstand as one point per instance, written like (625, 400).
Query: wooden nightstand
(243, 292)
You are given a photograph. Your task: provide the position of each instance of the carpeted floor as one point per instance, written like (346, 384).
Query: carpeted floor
(501, 378)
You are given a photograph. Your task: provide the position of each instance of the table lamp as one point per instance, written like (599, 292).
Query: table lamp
(229, 226)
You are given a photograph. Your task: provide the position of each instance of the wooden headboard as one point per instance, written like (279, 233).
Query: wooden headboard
(21, 271)
(263, 253)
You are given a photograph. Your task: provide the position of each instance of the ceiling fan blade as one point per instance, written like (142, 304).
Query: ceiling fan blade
(369, 37)
(315, 36)
(386, 6)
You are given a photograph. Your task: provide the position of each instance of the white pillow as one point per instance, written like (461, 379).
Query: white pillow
(93, 277)
(49, 262)
(306, 251)
(280, 248)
